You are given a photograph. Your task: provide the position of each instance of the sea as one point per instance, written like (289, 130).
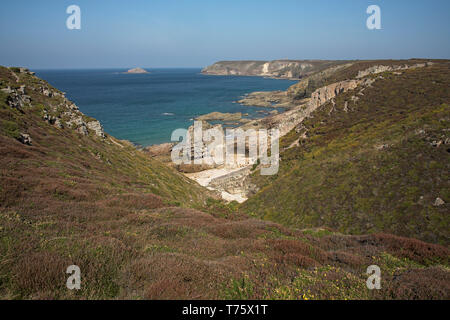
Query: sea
(146, 108)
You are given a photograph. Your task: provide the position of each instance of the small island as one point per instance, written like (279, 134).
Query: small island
(137, 70)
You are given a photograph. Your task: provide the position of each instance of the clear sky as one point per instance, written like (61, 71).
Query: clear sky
(196, 33)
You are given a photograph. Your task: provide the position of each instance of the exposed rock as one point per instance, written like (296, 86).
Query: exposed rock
(58, 123)
(438, 202)
(307, 85)
(137, 70)
(354, 98)
(381, 68)
(345, 106)
(288, 120)
(25, 70)
(75, 120)
(381, 147)
(17, 98)
(54, 107)
(21, 90)
(96, 127)
(286, 69)
(436, 143)
(220, 116)
(159, 149)
(325, 94)
(25, 139)
(46, 92)
(230, 183)
(7, 90)
(245, 120)
(267, 99)
(82, 130)
(73, 107)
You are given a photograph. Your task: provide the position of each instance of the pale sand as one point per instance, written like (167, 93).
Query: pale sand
(233, 197)
(205, 177)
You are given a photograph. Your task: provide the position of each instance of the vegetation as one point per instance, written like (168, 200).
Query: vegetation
(372, 161)
(140, 230)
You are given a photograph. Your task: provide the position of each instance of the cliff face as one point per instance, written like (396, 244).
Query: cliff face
(284, 69)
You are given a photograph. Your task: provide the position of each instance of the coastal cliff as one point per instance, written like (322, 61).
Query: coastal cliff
(283, 69)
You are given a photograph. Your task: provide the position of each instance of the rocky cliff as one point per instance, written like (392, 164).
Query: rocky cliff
(285, 69)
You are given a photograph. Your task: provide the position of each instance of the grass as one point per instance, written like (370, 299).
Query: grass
(140, 230)
(371, 169)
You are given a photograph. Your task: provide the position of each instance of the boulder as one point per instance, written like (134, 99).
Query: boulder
(438, 202)
(25, 138)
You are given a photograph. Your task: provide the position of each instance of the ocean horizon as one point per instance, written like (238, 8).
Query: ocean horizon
(146, 108)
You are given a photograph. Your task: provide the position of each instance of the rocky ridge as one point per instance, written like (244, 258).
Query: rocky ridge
(56, 110)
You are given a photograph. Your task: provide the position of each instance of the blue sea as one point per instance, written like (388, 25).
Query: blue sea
(146, 108)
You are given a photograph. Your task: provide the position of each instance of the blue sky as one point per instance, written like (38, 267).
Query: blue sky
(191, 33)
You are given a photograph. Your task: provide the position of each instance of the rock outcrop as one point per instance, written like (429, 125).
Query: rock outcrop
(267, 99)
(137, 70)
(25, 138)
(326, 93)
(96, 127)
(307, 85)
(16, 97)
(159, 149)
(383, 68)
(220, 116)
(28, 91)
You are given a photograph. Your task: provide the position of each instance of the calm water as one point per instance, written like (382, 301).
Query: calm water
(146, 108)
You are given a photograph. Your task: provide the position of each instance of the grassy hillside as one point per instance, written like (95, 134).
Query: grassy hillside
(139, 230)
(369, 162)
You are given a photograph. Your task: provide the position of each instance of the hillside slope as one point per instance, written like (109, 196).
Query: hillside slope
(71, 194)
(375, 158)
